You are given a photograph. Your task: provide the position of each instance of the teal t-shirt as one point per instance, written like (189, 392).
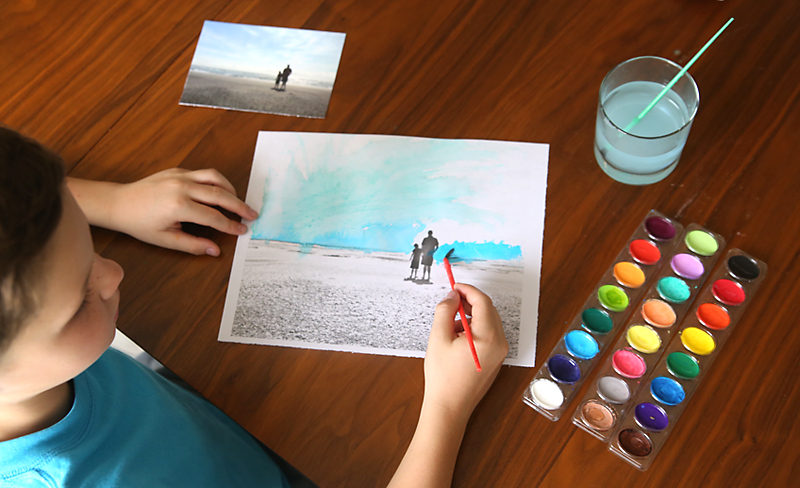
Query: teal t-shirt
(129, 427)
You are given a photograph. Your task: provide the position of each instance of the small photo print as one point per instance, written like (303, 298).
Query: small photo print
(256, 68)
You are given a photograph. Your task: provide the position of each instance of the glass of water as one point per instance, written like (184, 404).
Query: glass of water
(650, 150)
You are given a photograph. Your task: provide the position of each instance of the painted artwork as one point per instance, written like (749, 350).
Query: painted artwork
(256, 68)
(347, 251)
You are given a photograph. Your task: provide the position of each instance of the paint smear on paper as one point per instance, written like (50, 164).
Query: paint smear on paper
(378, 197)
(479, 251)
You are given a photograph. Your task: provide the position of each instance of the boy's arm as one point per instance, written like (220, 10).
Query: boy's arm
(153, 208)
(453, 387)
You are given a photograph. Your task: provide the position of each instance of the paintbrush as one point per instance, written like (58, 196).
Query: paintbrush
(464, 322)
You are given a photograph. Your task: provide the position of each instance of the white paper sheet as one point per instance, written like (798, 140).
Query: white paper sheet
(326, 264)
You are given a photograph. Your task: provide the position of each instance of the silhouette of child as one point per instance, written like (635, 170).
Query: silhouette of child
(415, 255)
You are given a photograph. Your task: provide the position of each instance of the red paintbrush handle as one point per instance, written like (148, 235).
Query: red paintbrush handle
(464, 322)
(449, 273)
(469, 337)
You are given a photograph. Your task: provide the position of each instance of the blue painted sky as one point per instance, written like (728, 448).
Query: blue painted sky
(380, 193)
(313, 55)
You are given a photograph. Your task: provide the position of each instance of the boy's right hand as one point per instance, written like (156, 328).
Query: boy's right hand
(451, 380)
(452, 387)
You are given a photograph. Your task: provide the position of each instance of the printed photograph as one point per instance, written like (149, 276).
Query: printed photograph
(257, 68)
(347, 252)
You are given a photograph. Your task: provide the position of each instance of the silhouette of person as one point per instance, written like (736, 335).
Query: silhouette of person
(278, 78)
(285, 77)
(415, 255)
(429, 246)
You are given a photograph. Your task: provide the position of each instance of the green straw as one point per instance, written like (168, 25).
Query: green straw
(676, 78)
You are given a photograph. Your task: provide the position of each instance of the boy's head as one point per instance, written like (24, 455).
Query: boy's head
(31, 178)
(58, 299)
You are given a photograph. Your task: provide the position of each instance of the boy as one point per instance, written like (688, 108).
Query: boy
(73, 413)
(415, 254)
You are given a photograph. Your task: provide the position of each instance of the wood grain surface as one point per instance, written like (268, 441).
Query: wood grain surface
(100, 83)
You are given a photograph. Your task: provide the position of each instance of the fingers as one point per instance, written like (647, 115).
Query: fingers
(481, 307)
(486, 326)
(207, 216)
(216, 196)
(467, 307)
(209, 187)
(443, 318)
(458, 326)
(211, 177)
(181, 241)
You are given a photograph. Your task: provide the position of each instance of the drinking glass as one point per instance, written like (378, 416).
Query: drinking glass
(650, 150)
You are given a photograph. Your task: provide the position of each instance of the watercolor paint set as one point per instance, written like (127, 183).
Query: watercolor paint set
(643, 430)
(648, 332)
(603, 314)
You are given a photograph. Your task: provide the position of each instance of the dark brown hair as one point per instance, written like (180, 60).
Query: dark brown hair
(31, 180)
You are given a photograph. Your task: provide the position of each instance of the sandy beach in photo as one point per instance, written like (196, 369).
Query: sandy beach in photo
(214, 90)
(333, 297)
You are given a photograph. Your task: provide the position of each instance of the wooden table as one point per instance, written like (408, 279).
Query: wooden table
(100, 83)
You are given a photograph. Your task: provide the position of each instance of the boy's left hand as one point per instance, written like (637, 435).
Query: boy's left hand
(153, 208)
